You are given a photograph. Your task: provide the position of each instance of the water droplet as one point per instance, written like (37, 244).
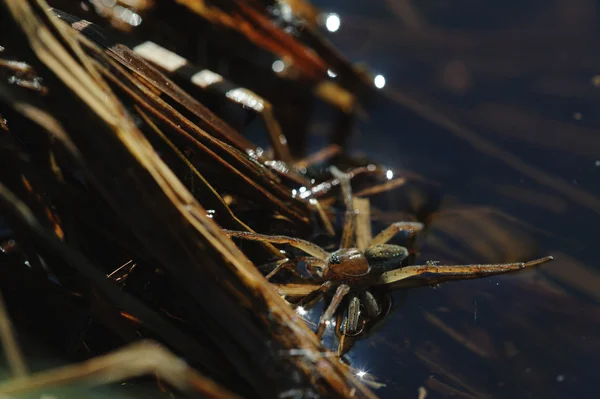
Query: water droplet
(301, 311)
(278, 66)
(333, 22)
(379, 81)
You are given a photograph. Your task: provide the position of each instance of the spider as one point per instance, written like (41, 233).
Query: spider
(355, 267)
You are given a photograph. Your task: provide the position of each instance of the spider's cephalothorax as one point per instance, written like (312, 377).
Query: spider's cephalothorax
(346, 264)
(353, 268)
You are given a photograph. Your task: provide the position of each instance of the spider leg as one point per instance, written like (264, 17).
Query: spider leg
(463, 271)
(394, 229)
(353, 314)
(341, 336)
(340, 293)
(350, 223)
(371, 306)
(312, 264)
(312, 298)
(141, 358)
(306, 246)
(279, 264)
(295, 290)
(345, 340)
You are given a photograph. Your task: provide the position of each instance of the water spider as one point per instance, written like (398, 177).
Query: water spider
(363, 262)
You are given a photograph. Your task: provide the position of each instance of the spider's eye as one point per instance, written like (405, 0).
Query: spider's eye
(385, 255)
(335, 259)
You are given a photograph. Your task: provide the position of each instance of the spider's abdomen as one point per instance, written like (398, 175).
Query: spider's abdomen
(346, 264)
(384, 257)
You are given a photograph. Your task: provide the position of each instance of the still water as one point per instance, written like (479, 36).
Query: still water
(495, 101)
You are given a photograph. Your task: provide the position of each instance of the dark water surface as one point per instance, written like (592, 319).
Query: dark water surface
(506, 121)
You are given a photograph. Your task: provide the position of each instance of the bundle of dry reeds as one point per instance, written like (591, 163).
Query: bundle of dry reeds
(96, 146)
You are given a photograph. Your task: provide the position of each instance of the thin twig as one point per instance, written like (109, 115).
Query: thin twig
(9, 343)
(141, 358)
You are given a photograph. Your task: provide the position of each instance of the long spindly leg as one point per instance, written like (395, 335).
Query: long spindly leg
(295, 290)
(353, 325)
(353, 314)
(308, 301)
(350, 223)
(340, 293)
(303, 245)
(370, 303)
(463, 271)
(312, 265)
(132, 361)
(275, 267)
(395, 228)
